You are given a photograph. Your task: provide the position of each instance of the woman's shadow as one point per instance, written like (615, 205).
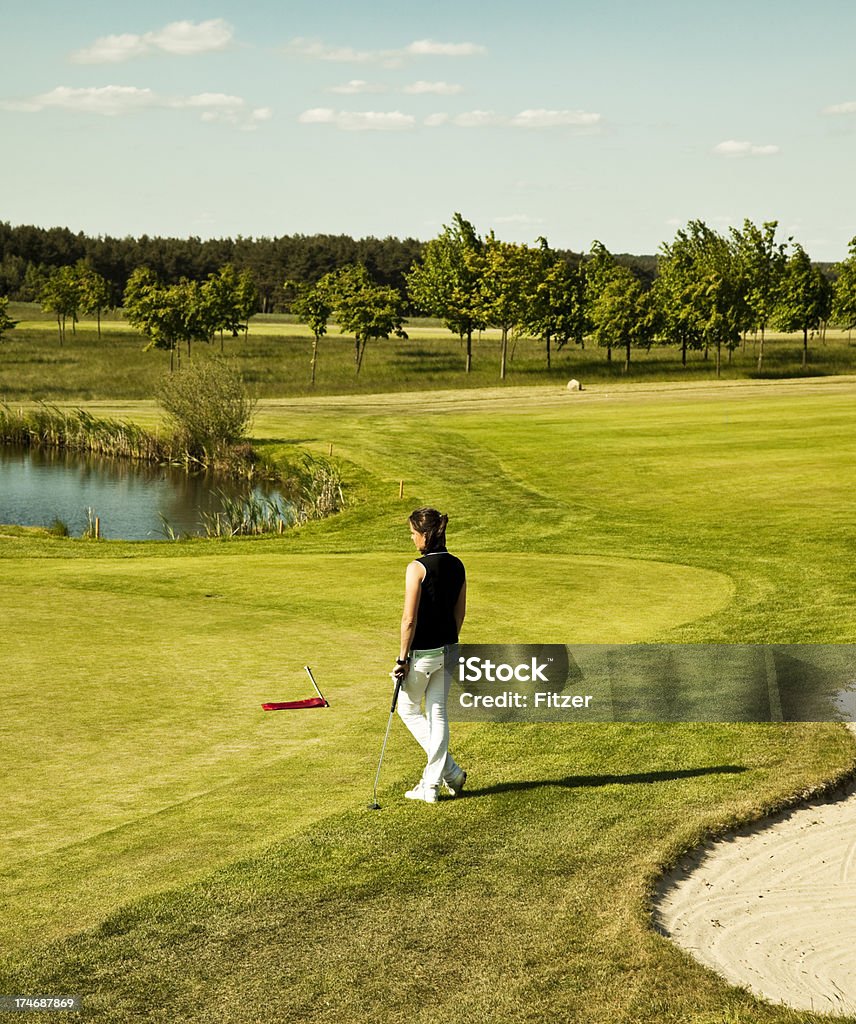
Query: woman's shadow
(630, 779)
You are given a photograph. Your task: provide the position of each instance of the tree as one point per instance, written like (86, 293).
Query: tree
(247, 299)
(703, 294)
(230, 299)
(623, 313)
(61, 295)
(844, 300)
(365, 309)
(763, 264)
(94, 292)
(446, 283)
(506, 276)
(35, 278)
(6, 322)
(313, 306)
(675, 292)
(555, 311)
(157, 311)
(597, 270)
(805, 297)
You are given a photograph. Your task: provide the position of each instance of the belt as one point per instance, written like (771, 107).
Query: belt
(431, 652)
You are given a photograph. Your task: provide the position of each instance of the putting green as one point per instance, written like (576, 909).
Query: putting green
(139, 679)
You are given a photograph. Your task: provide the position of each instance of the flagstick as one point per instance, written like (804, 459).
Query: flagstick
(320, 694)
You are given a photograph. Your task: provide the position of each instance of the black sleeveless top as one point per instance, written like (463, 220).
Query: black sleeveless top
(441, 588)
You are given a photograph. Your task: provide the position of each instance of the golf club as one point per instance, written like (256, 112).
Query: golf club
(374, 805)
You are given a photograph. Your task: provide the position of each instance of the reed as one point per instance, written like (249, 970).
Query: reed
(92, 529)
(250, 516)
(314, 491)
(320, 488)
(48, 426)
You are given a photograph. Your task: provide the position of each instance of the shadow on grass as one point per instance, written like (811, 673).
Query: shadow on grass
(579, 781)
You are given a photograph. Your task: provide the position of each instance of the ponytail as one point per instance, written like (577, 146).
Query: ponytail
(432, 525)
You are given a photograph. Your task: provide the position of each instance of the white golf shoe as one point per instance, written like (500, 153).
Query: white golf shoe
(456, 784)
(428, 794)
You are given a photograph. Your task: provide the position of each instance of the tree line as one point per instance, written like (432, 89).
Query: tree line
(710, 290)
(29, 254)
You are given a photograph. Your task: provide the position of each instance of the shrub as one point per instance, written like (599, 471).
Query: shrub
(207, 405)
(58, 528)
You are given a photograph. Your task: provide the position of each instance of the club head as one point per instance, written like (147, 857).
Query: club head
(374, 806)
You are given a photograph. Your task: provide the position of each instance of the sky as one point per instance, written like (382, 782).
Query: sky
(609, 120)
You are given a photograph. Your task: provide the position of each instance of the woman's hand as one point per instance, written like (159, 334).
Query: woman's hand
(400, 671)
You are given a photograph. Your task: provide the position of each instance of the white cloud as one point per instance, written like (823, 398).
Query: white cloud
(553, 118)
(476, 119)
(433, 88)
(359, 121)
(466, 119)
(179, 38)
(733, 148)
(118, 100)
(318, 115)
(219, 100)
(108, 100)
(841, 108)
(111, 50)
(357, 86)
(525, 119)
(427, 47)
(315, 49)
(183, 38)
(369, 120)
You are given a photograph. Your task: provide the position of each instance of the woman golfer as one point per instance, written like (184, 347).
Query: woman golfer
(435, 600)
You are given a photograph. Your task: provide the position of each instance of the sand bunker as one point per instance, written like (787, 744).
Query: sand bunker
(773, 907)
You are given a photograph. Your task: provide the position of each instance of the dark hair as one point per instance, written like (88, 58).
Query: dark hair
(432, 524)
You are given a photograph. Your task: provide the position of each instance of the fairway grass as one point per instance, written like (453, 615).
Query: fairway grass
(173, 853)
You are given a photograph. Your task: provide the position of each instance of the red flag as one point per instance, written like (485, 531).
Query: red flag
(291, 705)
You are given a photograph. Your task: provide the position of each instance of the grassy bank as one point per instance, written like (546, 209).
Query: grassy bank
(137, 763)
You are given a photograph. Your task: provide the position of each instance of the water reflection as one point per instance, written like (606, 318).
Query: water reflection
(38, 486)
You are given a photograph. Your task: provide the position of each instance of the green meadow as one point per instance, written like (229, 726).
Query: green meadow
(275, 361)
(172, 853)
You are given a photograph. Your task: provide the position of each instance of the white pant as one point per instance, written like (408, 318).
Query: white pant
(426, 678)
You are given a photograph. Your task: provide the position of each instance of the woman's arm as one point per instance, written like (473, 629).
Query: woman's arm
(412, 593)
(461, 607)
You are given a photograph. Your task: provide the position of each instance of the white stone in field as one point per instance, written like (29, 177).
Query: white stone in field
(574, 385)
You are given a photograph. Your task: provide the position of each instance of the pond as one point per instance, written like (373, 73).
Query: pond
(41, 485)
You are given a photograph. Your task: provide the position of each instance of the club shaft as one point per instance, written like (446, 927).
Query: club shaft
(386, 737)
(312, 679)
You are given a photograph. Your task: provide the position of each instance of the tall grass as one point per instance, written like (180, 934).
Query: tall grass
(315, 493)
(320, 488)
(253, 515)
(76, 430)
